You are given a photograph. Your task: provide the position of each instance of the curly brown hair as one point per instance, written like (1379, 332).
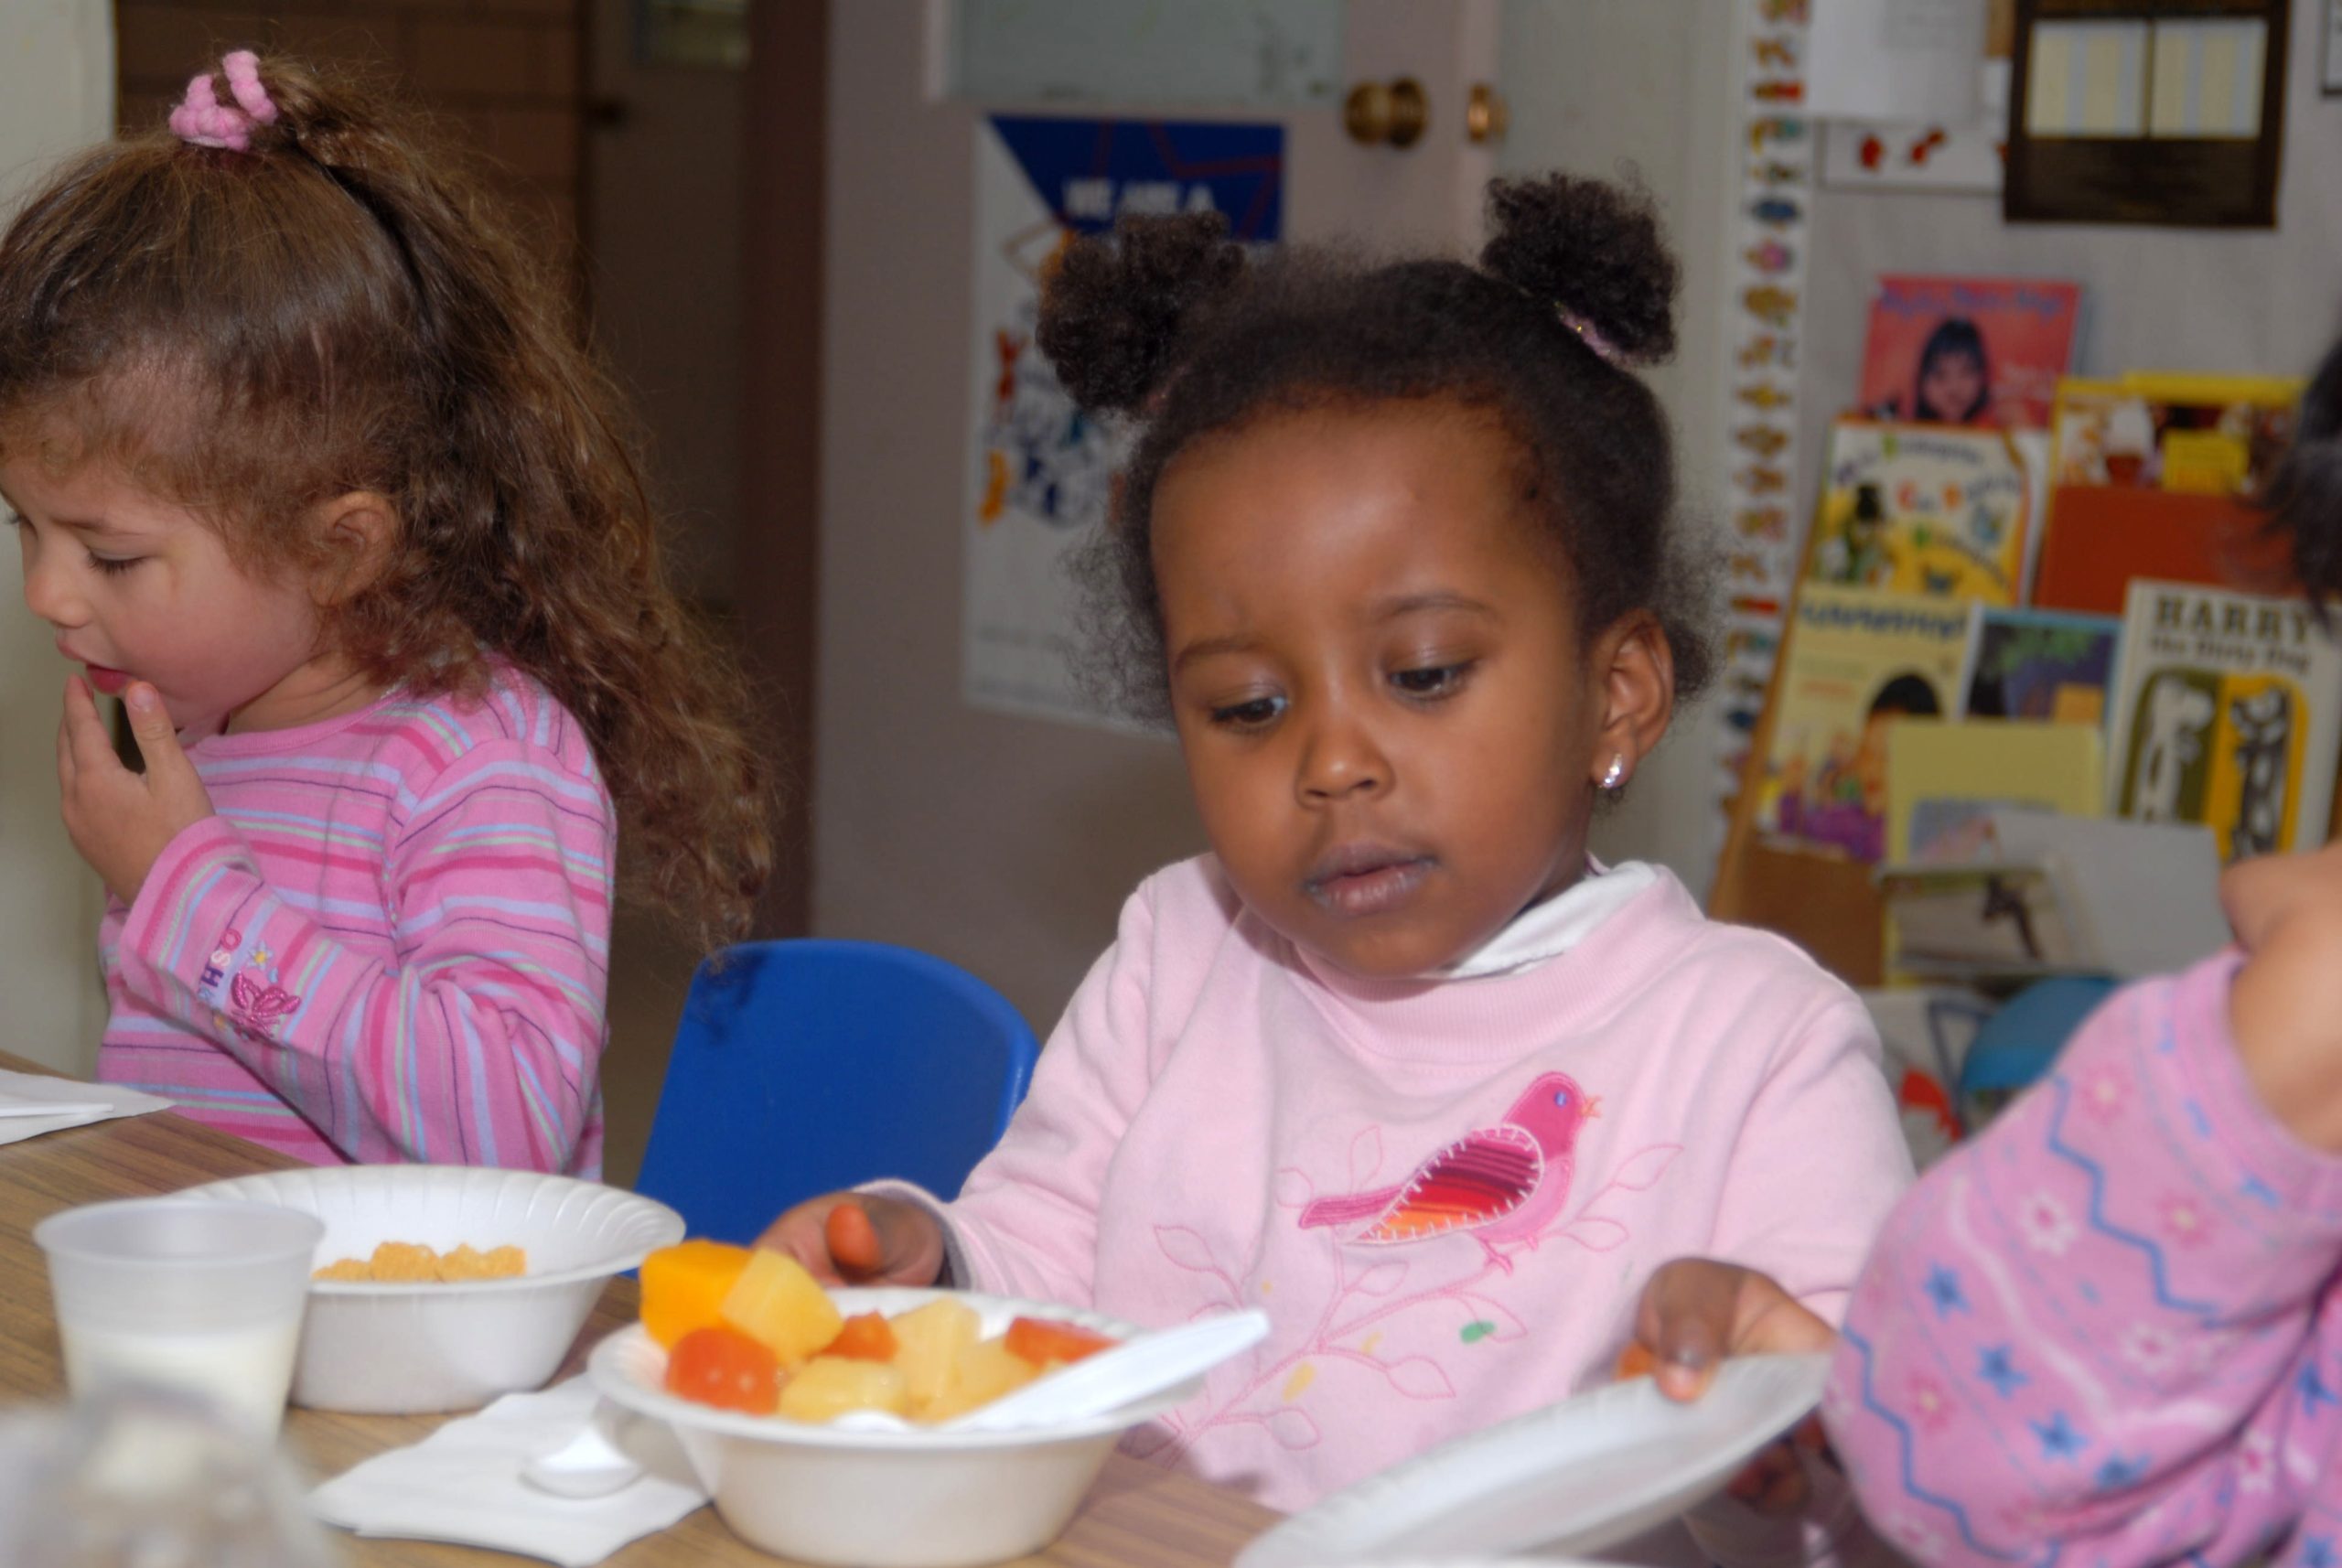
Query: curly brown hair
(1170, 322)
(344, 309)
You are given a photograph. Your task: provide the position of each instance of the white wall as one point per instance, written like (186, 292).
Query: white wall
(1003, 845)
(1007, 846)
(1596, 86)
(56, 94)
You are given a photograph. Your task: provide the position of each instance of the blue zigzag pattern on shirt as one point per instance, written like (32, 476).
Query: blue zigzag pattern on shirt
(1907, 1447)
(2098, 1220)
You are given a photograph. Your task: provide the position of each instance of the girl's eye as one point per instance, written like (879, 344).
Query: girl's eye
(1433, 680)
(114, 564)
(1250, 715)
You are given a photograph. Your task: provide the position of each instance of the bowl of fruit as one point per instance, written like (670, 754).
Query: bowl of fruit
(821, 1420)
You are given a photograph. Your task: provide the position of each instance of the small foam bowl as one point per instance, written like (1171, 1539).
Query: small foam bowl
(404, 1349)
(920, 1498)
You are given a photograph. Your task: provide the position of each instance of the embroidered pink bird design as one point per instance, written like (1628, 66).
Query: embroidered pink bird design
(1504, 1184)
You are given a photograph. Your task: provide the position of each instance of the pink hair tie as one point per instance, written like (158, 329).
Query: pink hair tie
(1591, 335)
(202, 120)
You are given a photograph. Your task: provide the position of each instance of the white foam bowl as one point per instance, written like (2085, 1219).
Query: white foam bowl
(921, 1498)
(400, 1349)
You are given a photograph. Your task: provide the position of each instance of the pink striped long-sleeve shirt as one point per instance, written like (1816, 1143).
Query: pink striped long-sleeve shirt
(390, 943)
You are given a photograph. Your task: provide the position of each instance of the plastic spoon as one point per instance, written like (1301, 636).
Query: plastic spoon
(590, 1465)
(1141, 1366)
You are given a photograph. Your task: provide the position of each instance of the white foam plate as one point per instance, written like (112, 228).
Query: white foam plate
(1573, 1477)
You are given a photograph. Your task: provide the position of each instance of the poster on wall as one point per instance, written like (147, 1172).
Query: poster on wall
(2159, 112)
(1040, 472)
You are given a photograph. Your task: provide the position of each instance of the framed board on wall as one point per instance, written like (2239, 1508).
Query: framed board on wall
(2166, 112)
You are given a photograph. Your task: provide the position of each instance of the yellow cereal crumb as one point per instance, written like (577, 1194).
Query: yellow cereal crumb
(404, 1262)
(413, 1263)
(469, 1262)
(463, 1263)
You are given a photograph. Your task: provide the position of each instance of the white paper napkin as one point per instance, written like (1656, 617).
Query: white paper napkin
(32, 1103)
(463, 1484)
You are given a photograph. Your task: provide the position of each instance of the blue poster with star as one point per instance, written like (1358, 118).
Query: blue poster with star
(1041, 471)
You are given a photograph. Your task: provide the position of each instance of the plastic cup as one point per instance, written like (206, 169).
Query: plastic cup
(192, 1295)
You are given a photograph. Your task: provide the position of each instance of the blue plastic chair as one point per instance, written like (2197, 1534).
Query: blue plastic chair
(2017, 1044)
(804, 1067)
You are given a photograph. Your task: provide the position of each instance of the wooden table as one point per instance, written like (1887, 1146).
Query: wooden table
(1136, 1516)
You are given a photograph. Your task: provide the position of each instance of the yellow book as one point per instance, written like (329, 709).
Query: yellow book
(1936, 509)
(1941, 775)
(1855, 663)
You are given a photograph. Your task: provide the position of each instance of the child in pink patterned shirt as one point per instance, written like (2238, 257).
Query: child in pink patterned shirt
(309, 466)
(2108, 1330)
(1396, 1061)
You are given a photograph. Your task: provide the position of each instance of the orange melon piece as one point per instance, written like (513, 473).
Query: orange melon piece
(777, 1301)
(683, 1287)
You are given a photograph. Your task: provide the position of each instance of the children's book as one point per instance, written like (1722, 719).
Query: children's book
(1954, 350)
(2187, 435)
(1854, 662)
(2037, 664)
(2227, 711)
(1940, 775)
(1917, 508)
(2148, 892)
(2152, 478)
(1984, 922)
(2101, 895)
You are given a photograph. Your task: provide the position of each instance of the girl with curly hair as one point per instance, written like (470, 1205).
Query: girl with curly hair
(1398, 1061)
(308, 465)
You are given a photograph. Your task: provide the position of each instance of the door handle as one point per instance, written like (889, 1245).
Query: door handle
(1395, 113)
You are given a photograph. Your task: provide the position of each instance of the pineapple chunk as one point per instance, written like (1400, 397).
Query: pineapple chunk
(683, 1287)
(776, 1301)
(828, 1386)
(983, 1372)
(928, 1342)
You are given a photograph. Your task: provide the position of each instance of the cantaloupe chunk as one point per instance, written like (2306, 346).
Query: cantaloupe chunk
(928, 1342)
(683, 1287)
(981, 1374)
(774, 1300)
(828, 1386)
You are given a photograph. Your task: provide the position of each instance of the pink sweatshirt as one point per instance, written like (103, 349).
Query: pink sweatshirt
(1448, 1194)
(390, 943)
(2110, 1331)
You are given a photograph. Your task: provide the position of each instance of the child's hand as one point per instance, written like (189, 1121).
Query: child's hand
(1694, 1313)
(121, 820)
(860, 1238)
(2286, 1006)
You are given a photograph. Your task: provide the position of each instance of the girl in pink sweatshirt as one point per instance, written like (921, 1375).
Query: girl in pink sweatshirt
(1396, 1061)
(309, 464)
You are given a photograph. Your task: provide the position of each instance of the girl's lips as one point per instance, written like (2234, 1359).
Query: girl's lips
(110, 681)
(1357, 887)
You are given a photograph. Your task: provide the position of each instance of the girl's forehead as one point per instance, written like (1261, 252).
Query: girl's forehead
(1409, 482)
